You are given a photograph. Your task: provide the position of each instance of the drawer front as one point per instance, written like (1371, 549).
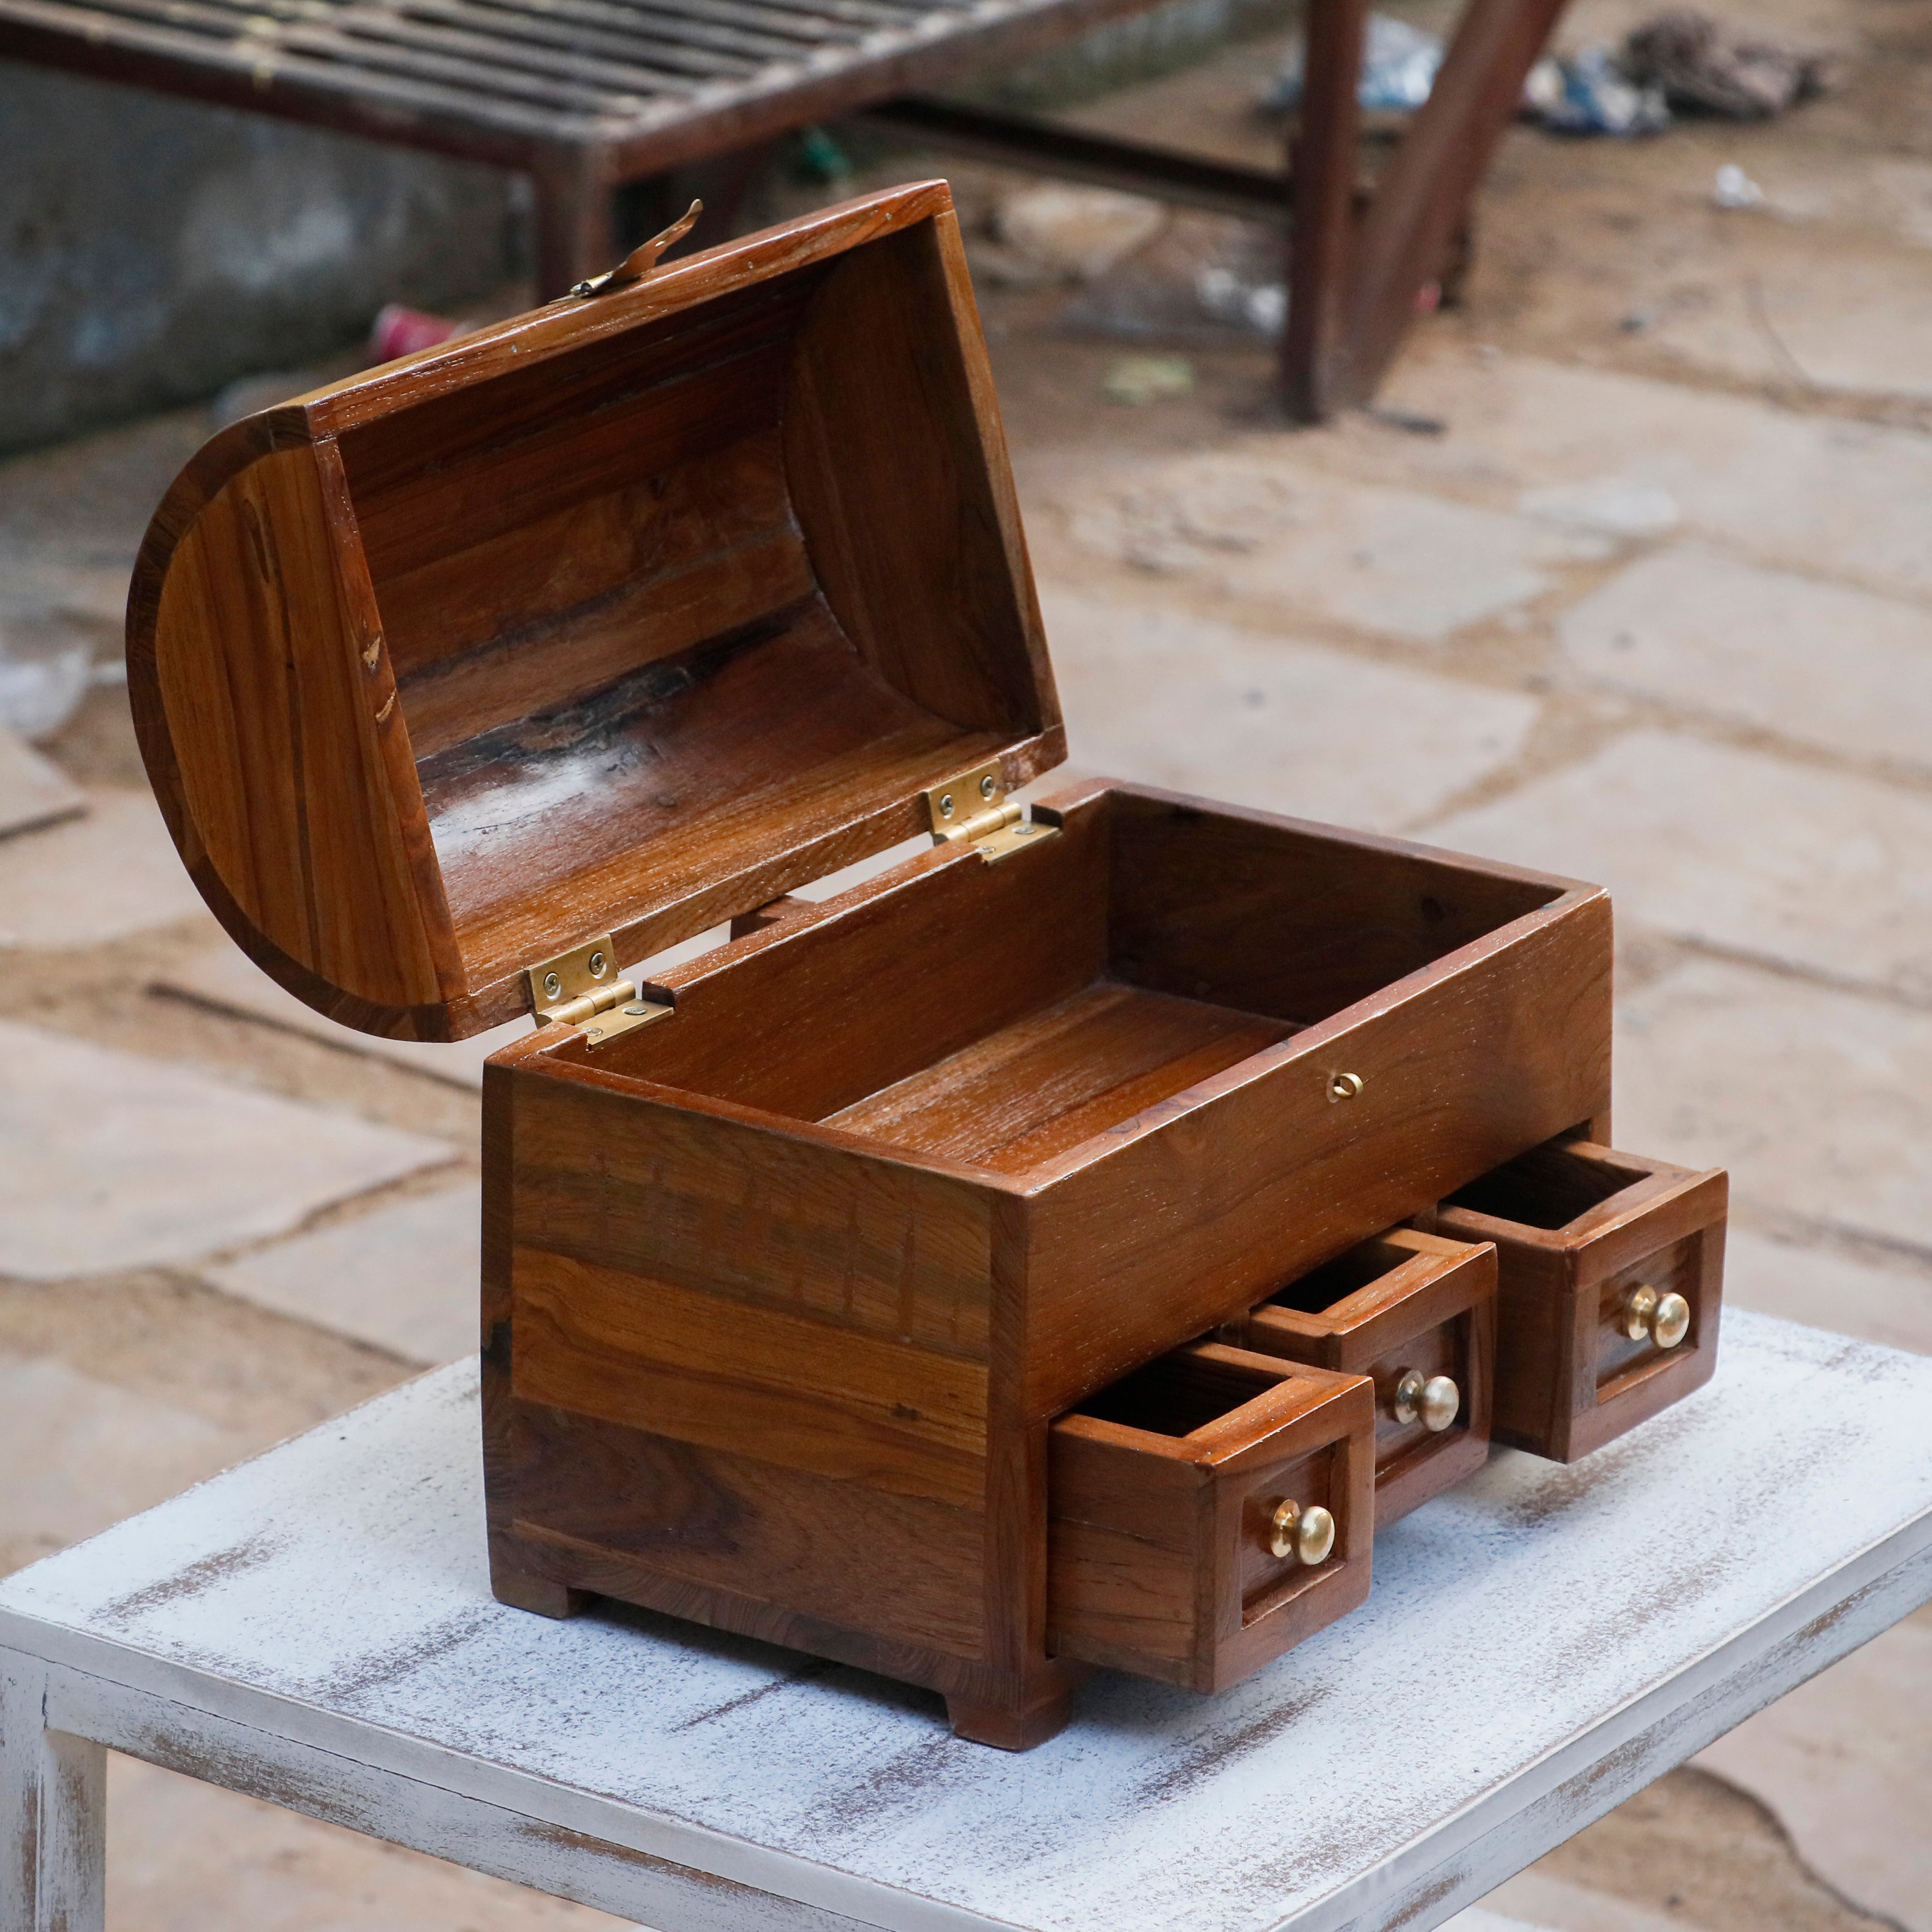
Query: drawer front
(1611, 1278)
(1168, 1556)
(1404, 1309)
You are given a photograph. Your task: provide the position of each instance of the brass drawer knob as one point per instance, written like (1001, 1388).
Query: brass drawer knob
(1664, 1319)
(1306, 1534)
(1434, 1401)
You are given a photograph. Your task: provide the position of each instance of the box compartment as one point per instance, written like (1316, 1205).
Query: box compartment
(1581, 1232)
(1164, 1492)
(1404, 1305)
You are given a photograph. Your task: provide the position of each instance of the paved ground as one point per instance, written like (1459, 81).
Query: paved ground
(1629, 578)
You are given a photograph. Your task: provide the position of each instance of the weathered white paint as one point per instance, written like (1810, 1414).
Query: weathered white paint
(316, 1627)
(53, 1809)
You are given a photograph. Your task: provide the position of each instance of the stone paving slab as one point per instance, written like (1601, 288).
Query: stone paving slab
(1818, 869)
(1819, 1102)
(33, 791)
(1551, 1904)
(1831, 1759)
(1859, 328)
(1845, 499)
(1891, 1305)
(1199, 706)
(1816, 662)
(223, 976)
(80, 1454)
(403, 1277)
(1256, 524)
(109, 1161)
(95, 879)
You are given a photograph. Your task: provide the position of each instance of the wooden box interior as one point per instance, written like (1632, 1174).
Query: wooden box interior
(1008, 1016)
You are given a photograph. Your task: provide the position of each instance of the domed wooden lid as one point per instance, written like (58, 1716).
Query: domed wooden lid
(623, 616)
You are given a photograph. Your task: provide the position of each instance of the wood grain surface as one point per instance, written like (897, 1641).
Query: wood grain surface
(627, 615)
(912, 1173)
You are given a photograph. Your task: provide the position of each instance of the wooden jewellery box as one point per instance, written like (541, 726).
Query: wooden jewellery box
(914, 1278)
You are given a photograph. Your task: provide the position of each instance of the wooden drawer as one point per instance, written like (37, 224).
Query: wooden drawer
(1592, 1246)
(1410, 1311)
(1166, 1492)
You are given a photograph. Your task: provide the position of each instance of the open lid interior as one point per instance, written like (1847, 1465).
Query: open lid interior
(626, 615)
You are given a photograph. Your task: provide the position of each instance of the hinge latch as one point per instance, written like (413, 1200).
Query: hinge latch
(972, 809)
(581, 988)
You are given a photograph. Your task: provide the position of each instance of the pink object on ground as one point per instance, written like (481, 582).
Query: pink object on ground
(397, 331)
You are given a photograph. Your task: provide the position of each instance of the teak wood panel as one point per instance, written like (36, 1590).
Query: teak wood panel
(1019, 1096)
(1404, 1300)
(1577, 1227)
(270, 727)
(898, 467)
(824, 1011)
(906, 1568)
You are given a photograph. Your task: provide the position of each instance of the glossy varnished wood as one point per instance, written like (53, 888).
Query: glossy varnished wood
(878, 1200)
(1405, 1300)
(1577, 1226)
(628, 615)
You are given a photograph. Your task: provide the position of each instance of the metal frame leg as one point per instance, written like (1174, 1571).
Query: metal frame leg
(53, 1812)
(575, 233)
(1321, 248)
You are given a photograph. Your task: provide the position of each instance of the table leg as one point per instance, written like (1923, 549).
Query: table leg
(1323, 171)
(53, 1814)
(575, 235)
(1425, 192)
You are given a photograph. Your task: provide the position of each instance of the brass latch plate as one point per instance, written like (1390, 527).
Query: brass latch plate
(581, 988)
(972, 809)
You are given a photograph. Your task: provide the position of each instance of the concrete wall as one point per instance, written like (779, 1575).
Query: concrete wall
(151, 249)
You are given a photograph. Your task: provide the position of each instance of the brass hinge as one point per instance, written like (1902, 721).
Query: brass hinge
(972, 809)
(581, 988)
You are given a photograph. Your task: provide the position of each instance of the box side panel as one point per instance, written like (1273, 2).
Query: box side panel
(1183, 1225)
(905, 1568)
(753, 1216)
(789, 1390)
(767, 1335)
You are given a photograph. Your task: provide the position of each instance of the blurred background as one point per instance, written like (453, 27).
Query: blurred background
(1625, 573)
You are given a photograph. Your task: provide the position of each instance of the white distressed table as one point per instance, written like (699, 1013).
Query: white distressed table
(314, 1628)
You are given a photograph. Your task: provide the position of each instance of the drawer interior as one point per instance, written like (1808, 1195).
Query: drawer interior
(1554, 1185)
(1184, 1394)
(1325, 1289)
(1004, 1015)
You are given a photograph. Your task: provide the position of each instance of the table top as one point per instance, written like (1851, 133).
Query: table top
(1535, 1640)
(504, 79)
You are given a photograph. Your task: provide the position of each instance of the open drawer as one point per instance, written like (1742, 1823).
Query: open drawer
(1610, 1269)
(1208, 1512)
(1416, 1314)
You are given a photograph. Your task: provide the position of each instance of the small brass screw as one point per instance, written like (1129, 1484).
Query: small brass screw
(1306, 1534)
(553, 985)
(597, 964)
(945, 806)
(987, 787)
